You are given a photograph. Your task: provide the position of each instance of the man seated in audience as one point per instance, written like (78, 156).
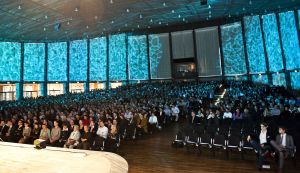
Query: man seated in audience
(284, 146)
(85, 139)
(55, 134)
(261, 143)
(18, 132)
(175, 112)
(152, 123)
(73, 140)
(101, 135)
(64, 135)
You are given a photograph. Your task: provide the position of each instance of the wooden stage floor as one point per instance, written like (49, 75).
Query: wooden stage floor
(155, 154)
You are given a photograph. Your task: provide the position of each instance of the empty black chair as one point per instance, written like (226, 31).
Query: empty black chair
(246, 146)
(218, 142)
(192, 141)
(199, 129)
(205, 141)
(179, 141)
(234, 143)
(211, 130)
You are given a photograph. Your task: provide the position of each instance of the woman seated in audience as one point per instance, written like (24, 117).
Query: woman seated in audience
(35, 132)
(73, 140)
(45, 133)
(142, 124)
(86, 139)
(26, 134)
(55, 134)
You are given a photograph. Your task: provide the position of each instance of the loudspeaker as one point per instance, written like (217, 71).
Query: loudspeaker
(203, 2)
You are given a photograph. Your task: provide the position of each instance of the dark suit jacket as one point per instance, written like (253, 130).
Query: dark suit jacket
(256, 137)
(289, 143)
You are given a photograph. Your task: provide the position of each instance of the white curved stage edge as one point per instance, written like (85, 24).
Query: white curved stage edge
(22, 158)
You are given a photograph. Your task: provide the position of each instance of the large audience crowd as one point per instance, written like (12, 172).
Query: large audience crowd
(99, 119)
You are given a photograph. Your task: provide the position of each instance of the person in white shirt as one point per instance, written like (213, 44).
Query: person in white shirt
(128, 115)
(152, 123)
(175, 112)
(227, 114)
(101, 135)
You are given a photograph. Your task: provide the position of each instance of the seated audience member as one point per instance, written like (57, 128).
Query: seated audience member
(3, 130)
(18, 132)
(284, 146)
(35, 132)
(86, 139)
(142, 124)
(64, 135)
(238, 115)
(26, 134)
(261, 143)
(152, 123)
(45, 133)
(101, 135)
(73, 140)
(55, 134)
(175, 112)
(227, 114)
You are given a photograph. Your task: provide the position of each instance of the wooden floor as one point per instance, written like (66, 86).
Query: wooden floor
(155, 154)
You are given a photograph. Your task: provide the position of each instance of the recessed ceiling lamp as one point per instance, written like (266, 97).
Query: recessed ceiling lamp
(76, 9)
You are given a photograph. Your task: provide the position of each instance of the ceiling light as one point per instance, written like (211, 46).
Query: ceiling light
(111, 1)
(141, 16)
(209, 7)
(164, 4)
(45, 29)
(76, 9)
(173, 11)
(138, 26)
(46, 17)
(250, 2)
(96, 17)
(179, 16)
(127, 10)
(159, 23)
(112, 22)
(19, 7)
(87, 27)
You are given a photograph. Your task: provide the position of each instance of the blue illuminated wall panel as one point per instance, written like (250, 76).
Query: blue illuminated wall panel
(295, 80)
(78, 60)
(10, 61)
(233, 49)
(98, 59)
(117, 57)
(272, 42)
(260, 79)
(279, 79)
(254, 42)
(290, 42)
(34, 61)
(159, 52)
(137, 57)
(299, 19)
(57, 61)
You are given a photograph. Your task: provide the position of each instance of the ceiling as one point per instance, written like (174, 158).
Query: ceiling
(61, 20)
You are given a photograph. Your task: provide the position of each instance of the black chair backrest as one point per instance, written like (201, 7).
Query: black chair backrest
(234, 140)
(219, 139)
(206, 138)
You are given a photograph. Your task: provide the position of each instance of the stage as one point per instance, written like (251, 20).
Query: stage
(22, 158)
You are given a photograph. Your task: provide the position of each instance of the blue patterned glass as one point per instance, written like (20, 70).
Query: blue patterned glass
(156, 53)
(98, 59)
(78, 60)
(279, 79)
(233, 49)
(295, 80)
(255, 47)
(260, 79)
(57, 61)
(272, 42)
(10, 61)
(117, 57)
(290, 42)
(137, 57)
(34, 61)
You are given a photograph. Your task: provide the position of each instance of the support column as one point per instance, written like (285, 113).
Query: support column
(66, 84)
(44, 87)
(245, 49)
(287, 75)
(195, 55)
(107, 63)
(265, 52)
(148, 56)
(171, 57)
(221, 53)
(87, 83)
(19, 86)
